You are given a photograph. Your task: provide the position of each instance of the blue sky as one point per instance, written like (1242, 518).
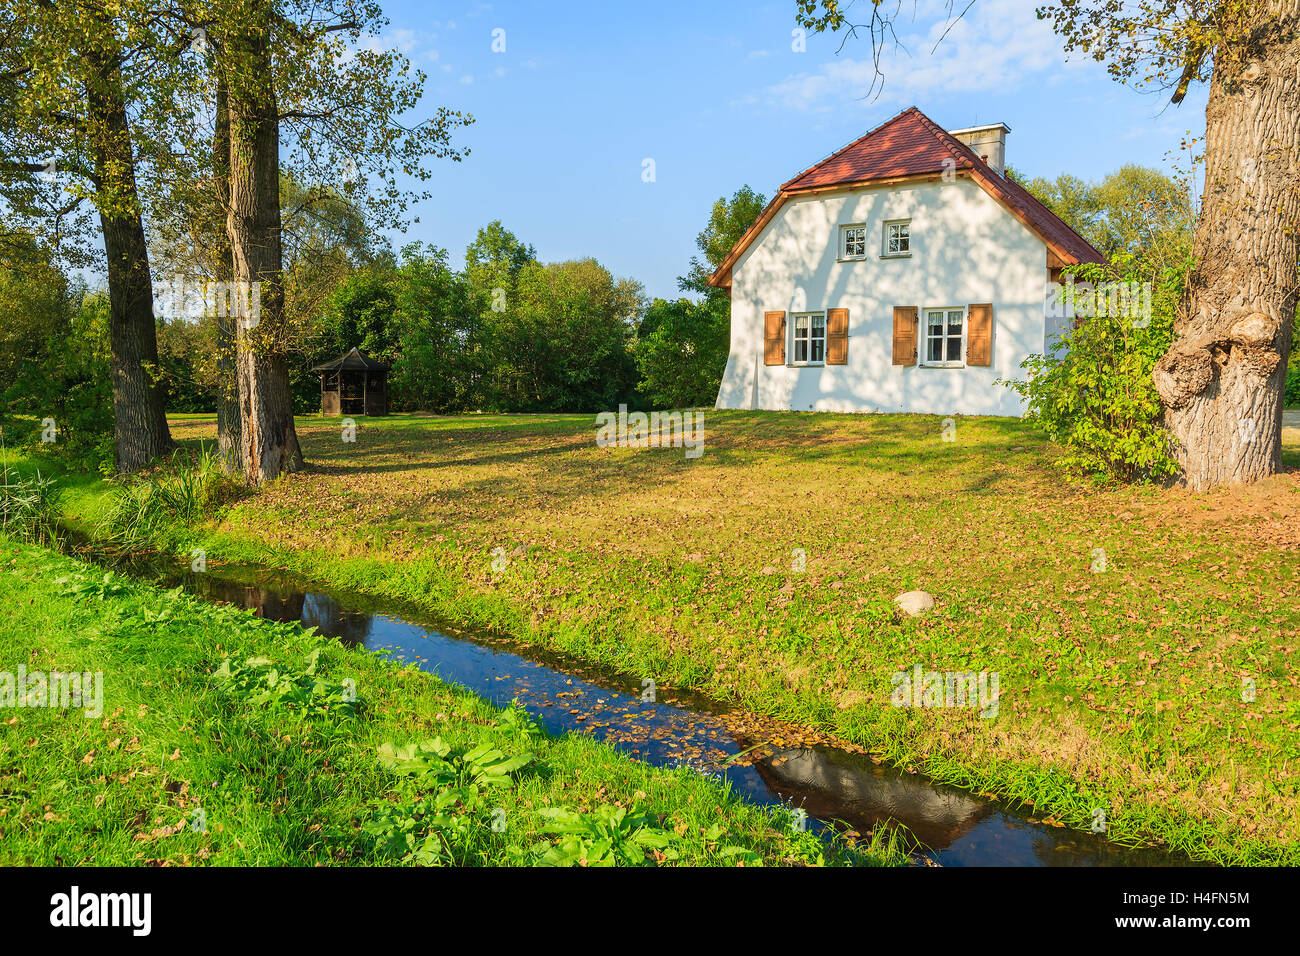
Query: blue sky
(716, 95)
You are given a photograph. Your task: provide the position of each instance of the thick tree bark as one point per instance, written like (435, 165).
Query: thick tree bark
(1222, 380)
(227, 390)
(139, 416)
(268, 440)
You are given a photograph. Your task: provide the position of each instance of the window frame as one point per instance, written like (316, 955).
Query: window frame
(793, 326)
(842, 253)
(884, 239)
(924, 337)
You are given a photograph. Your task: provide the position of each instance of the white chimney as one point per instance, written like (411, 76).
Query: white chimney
(989, 143)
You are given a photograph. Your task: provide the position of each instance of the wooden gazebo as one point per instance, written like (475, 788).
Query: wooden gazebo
(353, 384)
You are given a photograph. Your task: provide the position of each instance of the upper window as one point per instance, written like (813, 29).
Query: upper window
(809, 338)
(898, 238)
(853, 242)
(944, 329)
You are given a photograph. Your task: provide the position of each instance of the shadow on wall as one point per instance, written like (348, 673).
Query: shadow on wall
(965, 248)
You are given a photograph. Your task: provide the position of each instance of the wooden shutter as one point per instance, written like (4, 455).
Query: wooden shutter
(905, 334)
(979, 334)
(773, 338)
(837, 336)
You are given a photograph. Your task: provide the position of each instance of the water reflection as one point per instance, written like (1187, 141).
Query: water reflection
(832, 785)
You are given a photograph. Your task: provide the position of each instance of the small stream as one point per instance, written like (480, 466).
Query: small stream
(777, 763)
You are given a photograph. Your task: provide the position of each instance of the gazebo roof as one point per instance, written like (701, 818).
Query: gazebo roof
(354, 361)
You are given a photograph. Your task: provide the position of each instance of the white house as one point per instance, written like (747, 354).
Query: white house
(903, 273)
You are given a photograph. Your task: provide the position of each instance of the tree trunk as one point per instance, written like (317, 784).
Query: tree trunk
(1222, 379)
(268, 440)
(227, 390)
(139, 417)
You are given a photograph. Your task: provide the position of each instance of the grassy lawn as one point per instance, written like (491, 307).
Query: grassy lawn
(1121, 689)
(178, 764)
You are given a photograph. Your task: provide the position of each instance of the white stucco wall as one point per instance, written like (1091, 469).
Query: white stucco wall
(966, 248)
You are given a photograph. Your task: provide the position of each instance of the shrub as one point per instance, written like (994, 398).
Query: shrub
(1093, 392)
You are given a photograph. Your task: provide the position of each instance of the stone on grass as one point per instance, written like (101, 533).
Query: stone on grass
(915, 603)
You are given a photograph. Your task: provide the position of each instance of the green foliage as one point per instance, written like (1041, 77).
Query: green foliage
(561, 343)
(434, 764)
(54, 345)
(1161, 45)
(1139, 218)
(728, 221)
(437, 333)
(29, 507)
(682, 347)
(517, 725)
(607, 836)
(443, 819)
(184, 373)
(359, 315)
(101, 589)
(1093, 392)
(296, 688)
(179, 494)
(447, 828)
(681, 351)
(496, 257)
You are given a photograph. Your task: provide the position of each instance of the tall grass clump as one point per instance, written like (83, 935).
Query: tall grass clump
(29, 506)
(176, 496)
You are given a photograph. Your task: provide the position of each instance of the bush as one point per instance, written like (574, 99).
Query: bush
(65, 379)
(1093, 393)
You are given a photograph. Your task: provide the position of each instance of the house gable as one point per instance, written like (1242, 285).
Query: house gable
(909, 149)
(967, 255)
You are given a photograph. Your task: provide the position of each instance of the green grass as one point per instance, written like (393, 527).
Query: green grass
(285, 768)
(1121, 690)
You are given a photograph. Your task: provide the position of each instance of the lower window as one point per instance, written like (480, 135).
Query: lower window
(943, 336)
(809, 338)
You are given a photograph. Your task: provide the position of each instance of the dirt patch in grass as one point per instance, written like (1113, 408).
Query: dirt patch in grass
(1265, 513)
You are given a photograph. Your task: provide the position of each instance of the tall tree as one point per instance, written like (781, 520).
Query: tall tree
(307, 72)
(1223, 378)
(268, 439)
(729, 219)
(1140, 218)
(188, 199)
(229, 429)
(681, 348)
(75, 71)
(495, 258)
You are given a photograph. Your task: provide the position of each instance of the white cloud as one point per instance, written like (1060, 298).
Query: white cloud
(400, 39)
(997, 45)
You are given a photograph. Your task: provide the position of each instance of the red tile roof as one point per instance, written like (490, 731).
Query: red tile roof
(911, 145)
(904, 146)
